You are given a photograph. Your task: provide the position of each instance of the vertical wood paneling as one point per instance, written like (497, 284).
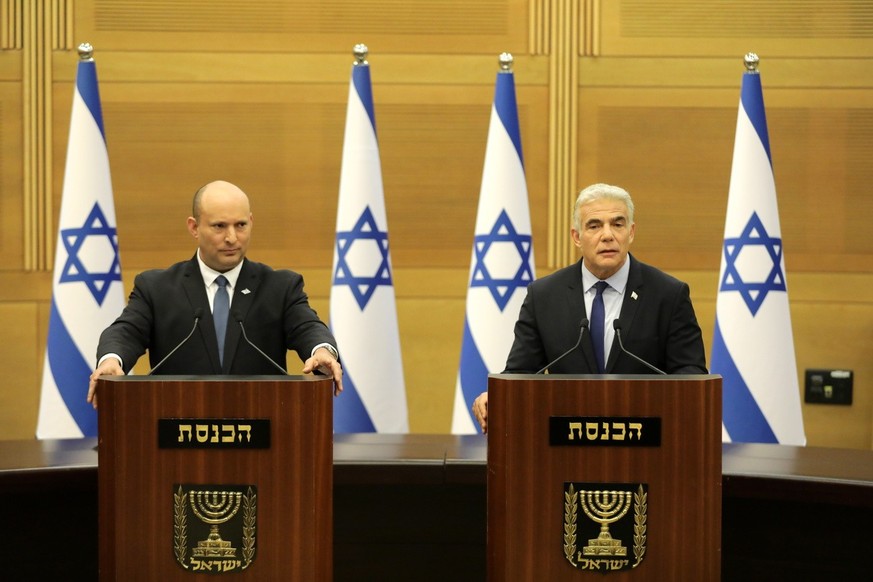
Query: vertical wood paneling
(563, 110)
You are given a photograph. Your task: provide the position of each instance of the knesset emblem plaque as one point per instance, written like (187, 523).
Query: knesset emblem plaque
(215, 527)
(604, 527)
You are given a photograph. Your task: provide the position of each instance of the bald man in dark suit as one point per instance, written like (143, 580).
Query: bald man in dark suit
(164, 305)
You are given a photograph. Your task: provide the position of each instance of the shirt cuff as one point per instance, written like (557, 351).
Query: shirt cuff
(329, 348)
(107, 356)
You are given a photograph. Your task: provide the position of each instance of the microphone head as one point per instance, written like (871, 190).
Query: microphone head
(616, 325)
(584, 322)
(198, 313)
(236, 316)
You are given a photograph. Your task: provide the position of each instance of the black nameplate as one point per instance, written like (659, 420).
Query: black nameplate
(213, 433)
(605, 431)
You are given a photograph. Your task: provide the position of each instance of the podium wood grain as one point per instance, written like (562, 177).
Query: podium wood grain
(526, 475)
(294, 476)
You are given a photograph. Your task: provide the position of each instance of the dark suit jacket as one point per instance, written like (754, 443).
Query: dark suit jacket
(161, 310)
(658, 325)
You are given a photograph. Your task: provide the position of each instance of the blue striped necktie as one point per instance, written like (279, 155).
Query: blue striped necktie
(220, 310)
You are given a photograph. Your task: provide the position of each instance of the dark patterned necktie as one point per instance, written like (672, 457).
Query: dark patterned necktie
(220, 310)
(598, 316)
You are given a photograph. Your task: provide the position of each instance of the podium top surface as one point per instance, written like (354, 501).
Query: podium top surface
(646, 377)
(215, 378)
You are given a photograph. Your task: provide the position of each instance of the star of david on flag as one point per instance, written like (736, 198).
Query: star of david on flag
(753, 344)
(502, 261)
(370, 258)
(76, 270)
(510, 248)
(87, 294)
(753, 291)
(363, 314)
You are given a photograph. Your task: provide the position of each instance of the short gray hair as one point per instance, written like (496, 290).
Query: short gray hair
(598, 192)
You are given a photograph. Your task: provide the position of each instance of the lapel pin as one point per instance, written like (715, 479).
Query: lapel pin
(245, 291)
(634, 295)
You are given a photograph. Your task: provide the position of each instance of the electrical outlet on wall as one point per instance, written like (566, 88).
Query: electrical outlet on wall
(829, 387)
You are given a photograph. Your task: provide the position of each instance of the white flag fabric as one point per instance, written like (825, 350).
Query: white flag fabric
(753, 345)
(363, 313)
(87, 294)
(502, 262)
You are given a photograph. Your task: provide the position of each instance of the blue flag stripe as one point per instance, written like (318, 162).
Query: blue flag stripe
(507, 109)
(473, 371)
(361, 80)
(86, 85)
(352, 416)
(752, 98)
(741, 414)
(68, 369)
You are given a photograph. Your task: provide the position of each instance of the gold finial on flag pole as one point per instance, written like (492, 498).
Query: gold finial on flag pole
(505, 62)
(751, 61)
(86, 52)
(360, 51)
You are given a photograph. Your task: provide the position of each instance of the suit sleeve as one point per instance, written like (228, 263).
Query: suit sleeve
(684, 345)
(128, 336)
(527, 354)
(303, 328)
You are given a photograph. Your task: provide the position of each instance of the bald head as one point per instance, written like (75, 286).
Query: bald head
(219, 188)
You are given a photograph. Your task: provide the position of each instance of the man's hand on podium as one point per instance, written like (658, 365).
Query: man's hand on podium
(480, 411)
(108, 367)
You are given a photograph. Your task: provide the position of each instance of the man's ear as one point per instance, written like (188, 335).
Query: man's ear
(192, 227)
(577, 240)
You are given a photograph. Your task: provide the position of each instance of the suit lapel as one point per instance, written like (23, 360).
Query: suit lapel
(629, 305)
(196, 293)
(243, 294)
(576, 311)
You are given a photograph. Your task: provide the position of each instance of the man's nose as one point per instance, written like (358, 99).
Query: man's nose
(230, 234)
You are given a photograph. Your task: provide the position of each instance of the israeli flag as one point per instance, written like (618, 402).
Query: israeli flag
(502, 262)
(753, 345)
(87, 294)
(363, 314)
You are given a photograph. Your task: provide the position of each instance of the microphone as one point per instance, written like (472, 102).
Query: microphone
(198, 313)
(616, 324)
(583, 325)
(242, 328)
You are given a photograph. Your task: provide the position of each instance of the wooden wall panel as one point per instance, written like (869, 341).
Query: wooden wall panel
(835, 334)
(21, 360)
(432, 26)
(11, 177)
(795, 28)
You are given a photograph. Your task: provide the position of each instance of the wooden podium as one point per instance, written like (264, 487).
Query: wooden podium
(618, 474)
(216, 474)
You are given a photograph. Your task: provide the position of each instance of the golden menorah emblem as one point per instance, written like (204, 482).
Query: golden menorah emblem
(605, 507)
(214, 508)
(199, 510)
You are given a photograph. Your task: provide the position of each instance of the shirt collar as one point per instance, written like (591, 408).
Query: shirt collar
(210, 275)
(618, 281)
